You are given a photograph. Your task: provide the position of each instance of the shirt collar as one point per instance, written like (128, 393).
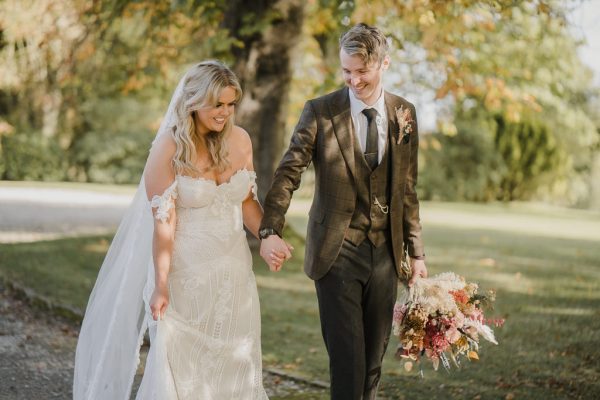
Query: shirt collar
(357, 106)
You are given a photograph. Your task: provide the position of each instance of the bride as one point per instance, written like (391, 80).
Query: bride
(180, 263)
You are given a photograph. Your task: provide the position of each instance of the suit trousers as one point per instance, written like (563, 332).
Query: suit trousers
(356, 303)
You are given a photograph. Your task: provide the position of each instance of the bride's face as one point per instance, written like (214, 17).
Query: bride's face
(212, 118)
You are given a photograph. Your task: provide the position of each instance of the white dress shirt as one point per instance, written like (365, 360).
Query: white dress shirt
(360, 123)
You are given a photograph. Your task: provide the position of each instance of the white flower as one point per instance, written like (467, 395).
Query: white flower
(405, 121)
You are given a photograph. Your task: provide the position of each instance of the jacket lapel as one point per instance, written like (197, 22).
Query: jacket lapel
(342, 126)
(393, 128)
(395, 146)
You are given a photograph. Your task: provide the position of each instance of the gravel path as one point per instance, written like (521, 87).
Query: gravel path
(31, 214)
(37, 348)
(37, 352)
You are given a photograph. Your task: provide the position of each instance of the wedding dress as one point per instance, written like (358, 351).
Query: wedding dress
(207, 346)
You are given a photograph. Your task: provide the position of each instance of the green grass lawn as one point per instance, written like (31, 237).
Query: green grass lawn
(544, 263)
(93, 187)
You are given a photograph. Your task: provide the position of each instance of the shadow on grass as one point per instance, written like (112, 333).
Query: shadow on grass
(63, 270)
(548, 290)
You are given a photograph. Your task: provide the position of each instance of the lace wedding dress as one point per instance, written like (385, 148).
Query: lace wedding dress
(207, 346)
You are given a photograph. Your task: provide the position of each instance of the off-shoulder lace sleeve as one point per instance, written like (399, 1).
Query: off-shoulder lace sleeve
(164, 202)
(253, 186)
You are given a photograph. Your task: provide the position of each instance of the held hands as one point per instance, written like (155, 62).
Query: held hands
(159, 302)
(419, 270)
(275, 251)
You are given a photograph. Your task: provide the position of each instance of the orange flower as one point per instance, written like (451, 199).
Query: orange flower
(460, 296)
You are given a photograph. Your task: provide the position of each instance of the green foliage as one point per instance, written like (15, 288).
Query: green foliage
(103, 51)
(115, 147)
(529, 152)
(465, 166)
(85, 86)
(30, 156)
(489, 158)
(514, 59)
(113, 159)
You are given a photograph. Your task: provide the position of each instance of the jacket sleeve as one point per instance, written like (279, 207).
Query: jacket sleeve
(411, 220)
(287, 175)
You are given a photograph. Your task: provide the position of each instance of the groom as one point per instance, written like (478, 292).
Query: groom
(363, 142)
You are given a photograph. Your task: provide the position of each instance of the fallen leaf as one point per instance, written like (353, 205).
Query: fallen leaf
(487, 262)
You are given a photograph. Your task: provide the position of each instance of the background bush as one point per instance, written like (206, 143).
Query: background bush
(30, 156)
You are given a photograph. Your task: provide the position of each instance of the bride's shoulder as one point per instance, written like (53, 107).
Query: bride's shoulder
(239, 133)
(164, 146)
(240, 147)
(240, 138)
(161, 155)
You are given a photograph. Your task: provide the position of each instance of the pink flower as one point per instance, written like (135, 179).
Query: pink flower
(476, 315)
(399, 311)
(452, 334)
(459, 319)
(439, 343)
(439, 324)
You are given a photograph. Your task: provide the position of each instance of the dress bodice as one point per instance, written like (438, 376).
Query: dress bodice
(201, 192)
(204, 207)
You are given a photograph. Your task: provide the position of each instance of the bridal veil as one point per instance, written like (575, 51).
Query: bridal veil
(115, 320)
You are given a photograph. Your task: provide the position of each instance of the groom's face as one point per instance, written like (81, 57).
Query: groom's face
(364, 80)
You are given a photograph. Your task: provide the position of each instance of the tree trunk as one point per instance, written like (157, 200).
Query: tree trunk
(269, 31)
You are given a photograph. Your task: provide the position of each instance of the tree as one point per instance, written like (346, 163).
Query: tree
(514, 59)
(265, 34)
(135, 50)
(86, 80)
(529, 152)
(64, 60)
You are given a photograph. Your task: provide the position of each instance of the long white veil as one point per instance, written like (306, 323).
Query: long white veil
(115, 320)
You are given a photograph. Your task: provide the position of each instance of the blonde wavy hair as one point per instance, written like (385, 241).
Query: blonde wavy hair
(202, 87)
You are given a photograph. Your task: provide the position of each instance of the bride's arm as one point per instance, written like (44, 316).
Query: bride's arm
(159, 179)
(251, 209)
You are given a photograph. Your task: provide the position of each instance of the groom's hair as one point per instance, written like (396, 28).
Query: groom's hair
(367, 42)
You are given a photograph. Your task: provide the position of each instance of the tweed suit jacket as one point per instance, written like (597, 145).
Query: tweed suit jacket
(325, 136)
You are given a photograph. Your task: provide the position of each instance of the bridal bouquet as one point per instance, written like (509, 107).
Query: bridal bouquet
(442, 319)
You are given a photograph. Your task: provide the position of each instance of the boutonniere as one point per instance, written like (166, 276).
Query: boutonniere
(405, 122)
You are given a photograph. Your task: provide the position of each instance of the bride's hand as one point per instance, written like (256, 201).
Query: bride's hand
(290, 249)
(159, 302)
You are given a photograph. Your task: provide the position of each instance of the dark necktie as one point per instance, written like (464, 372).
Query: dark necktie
(371, 153)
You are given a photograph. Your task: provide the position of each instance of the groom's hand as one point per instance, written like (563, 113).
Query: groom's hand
(274, 250)
(419, 270)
